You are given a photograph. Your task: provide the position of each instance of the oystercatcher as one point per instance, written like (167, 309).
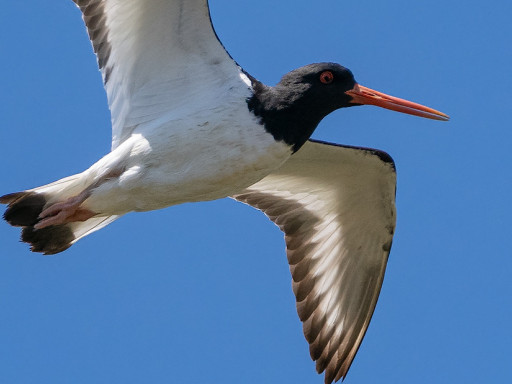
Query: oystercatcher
(189, 124)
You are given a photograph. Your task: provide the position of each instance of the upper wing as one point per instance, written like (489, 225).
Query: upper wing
(154, 55)
(336, 206)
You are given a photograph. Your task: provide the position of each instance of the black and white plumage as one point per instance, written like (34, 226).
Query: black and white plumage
(188, 124)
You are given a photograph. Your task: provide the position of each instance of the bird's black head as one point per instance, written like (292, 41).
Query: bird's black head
(293, 108)
(320, 87)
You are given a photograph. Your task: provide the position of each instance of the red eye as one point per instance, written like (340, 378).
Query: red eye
(326, 77)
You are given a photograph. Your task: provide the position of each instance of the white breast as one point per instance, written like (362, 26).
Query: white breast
(210, 148)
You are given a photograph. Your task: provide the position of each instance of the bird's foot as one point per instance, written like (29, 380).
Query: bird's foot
(65, 212)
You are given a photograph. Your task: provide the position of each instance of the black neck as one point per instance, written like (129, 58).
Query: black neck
(283, 113)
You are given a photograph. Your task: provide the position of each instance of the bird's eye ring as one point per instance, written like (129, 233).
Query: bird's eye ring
(326, 77)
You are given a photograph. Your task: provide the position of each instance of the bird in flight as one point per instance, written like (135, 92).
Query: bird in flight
(189, 124)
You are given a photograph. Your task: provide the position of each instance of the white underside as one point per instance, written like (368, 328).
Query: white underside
(196, 155)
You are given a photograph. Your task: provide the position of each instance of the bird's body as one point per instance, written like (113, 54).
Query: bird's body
(190, 156)
(189, 124)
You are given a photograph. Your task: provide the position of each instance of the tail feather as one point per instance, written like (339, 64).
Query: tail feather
(49, 240)
(24, 208)
(81, 229)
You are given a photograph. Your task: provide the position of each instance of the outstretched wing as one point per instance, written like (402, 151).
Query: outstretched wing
(336, 206)
(154, 56)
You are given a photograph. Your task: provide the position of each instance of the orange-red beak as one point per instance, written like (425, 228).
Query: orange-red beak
(363, 95)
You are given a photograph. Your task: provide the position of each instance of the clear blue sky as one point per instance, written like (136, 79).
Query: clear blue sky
(202, 292)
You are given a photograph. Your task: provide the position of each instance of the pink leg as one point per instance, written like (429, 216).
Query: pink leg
(65, 212)
(69, 210)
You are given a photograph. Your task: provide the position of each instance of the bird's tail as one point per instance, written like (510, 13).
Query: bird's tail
(24, 210)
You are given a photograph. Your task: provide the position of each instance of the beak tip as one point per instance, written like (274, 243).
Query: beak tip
(441, 116)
